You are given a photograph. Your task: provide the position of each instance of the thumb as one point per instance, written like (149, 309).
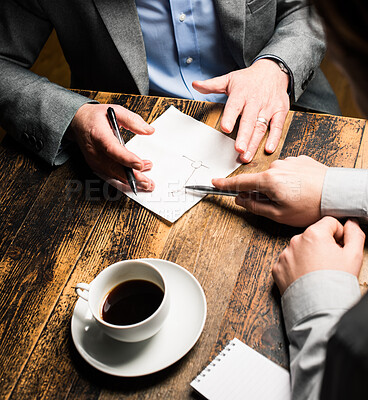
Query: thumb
(354, 237)
(214, 85)
(329, 226)
(132, 121)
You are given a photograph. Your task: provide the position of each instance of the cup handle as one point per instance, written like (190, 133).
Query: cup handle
(82, 290)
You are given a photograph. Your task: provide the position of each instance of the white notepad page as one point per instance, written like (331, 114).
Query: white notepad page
(183, 151)
(240, 373)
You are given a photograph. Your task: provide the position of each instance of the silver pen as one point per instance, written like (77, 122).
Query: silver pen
(258, 196)
(211, 190)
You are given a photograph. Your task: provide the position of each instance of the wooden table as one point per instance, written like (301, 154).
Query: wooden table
(53, 236)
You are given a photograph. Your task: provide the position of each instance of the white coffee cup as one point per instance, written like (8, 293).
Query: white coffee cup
(96, 292)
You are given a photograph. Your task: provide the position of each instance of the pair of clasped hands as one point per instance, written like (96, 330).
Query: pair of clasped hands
(259, 91)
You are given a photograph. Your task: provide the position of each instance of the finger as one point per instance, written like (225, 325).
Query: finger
(336, 229)
(262, 207)
(330, 226)
(233, 108)
(241, 183)
(214, 85)
(276, 126)
(143, 182)
(259, 131)
(354, 237)
(246, 127)
(112, 149)
(132, 121)
(147, 165)
(278, 276)
(117, 171)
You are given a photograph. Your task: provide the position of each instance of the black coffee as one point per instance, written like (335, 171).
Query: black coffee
(131, 302)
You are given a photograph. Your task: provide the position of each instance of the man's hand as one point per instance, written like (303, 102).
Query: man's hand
(91, 129)
(326, 245)
(293, 187)
(259, 91)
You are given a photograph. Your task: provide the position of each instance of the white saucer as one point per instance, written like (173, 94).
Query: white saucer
(180, 332)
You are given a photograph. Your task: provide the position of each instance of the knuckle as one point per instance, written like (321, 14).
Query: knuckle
(260, 128)
(230, 78)
(295, 240)
(255, 100)
(362, 237)
(93, 133)
(235, 107)
(282, 261)
(277, 215)
(269, 175)
(253, 207)
(128, 118)
(107, 148)
(312, 233)
(279, 125)
(276, 164)
(282, 258)
(235, 182)
(276, 267)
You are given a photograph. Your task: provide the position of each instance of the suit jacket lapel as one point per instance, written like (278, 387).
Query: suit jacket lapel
(232, 16)
(122, 22)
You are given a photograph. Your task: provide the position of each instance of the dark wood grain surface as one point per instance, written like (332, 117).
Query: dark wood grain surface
(61, 226)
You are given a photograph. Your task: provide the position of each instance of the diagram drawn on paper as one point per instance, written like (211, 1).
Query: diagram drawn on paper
(195, 164)
(183, 151)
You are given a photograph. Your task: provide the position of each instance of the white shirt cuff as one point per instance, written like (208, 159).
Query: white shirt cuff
(345, 193)
(318, 291)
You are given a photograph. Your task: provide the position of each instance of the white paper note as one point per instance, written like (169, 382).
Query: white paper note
(183, 151)
(240, 373)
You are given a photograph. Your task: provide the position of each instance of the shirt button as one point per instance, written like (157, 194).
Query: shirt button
(182, 17)
(189, 60)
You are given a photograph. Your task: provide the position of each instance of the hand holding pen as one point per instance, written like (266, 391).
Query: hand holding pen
(91, 129)
(292, 186)
(128, 171)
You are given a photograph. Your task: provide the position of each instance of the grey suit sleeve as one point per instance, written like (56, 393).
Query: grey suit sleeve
(33, 110)
(345, 193)
(311, 306)
(298, 40)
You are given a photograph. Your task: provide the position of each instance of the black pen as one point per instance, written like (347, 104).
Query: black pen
(114, 125)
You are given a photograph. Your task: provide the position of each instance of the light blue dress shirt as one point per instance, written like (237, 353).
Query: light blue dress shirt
(183, 43)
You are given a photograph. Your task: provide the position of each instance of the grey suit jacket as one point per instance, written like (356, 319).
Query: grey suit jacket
(103, 44)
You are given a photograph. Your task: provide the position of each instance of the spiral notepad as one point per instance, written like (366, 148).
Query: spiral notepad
(240, 373)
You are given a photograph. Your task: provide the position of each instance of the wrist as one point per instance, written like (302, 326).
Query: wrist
(75, 123)
(277, 69)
